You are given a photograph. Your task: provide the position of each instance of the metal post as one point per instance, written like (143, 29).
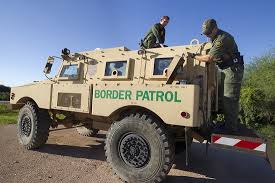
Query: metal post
(206, 149)
(186, 147)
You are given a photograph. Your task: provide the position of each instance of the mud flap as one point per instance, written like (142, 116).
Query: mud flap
(252, 145)
(249, 144)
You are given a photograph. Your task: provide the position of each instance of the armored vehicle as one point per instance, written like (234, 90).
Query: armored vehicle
(150, 101)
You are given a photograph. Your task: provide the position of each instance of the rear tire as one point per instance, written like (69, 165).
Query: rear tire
(87, 131)
(139, 149)
(33, 126)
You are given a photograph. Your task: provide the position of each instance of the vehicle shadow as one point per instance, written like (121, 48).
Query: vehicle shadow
(222, 166)
(186, 179)
(219, 166)
(93, 150)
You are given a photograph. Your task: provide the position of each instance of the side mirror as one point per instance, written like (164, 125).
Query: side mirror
(49, 65)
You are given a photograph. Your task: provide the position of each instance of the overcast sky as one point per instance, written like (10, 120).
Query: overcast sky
(31, 30)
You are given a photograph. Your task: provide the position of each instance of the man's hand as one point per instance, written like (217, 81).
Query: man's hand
(202, 58)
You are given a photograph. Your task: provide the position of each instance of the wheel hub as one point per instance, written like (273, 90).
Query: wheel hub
(134, 150)
(26, 125)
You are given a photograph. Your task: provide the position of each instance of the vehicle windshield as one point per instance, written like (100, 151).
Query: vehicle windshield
(70, 71)
(54, 69)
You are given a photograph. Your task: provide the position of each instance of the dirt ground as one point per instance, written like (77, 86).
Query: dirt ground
(69, 157)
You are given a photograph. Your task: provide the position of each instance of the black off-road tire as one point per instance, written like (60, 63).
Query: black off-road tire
(139, 149)
(87, 131)
(33, 126)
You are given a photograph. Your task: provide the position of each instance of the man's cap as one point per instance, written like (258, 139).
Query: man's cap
(208, 26)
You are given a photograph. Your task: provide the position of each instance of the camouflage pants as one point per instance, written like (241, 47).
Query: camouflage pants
(232, 78)
(151, 43)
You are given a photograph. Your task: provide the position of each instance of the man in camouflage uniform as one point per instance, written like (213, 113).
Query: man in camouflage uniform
(225, 53)
(155, 37)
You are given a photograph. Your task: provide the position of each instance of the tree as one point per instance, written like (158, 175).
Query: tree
(4, 88)
(4, 92)
(257, 95)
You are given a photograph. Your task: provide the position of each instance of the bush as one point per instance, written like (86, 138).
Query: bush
(257, 98)
(268, 131)
(251, 106)
(4, 96)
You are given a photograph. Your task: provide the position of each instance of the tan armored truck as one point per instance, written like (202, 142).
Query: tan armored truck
(148, 100)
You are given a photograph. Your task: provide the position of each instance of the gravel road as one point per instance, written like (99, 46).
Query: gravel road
(69, 157)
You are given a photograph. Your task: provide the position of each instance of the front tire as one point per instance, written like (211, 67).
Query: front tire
(139, 149)
(33, 126)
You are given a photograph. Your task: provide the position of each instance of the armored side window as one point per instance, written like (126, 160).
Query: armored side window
(116, 68)
(72, 100)
(70, 71)
(161, 64)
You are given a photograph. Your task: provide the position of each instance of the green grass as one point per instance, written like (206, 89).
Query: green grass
(7, 116)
